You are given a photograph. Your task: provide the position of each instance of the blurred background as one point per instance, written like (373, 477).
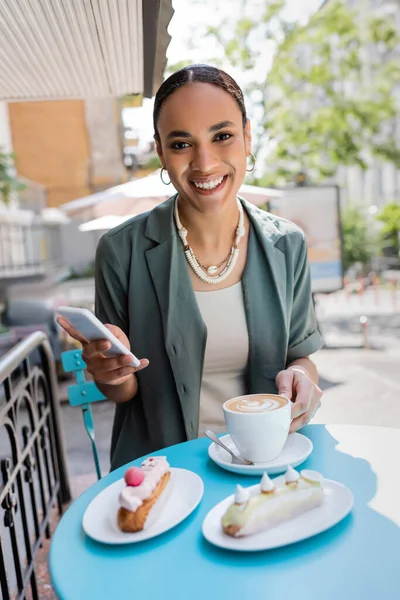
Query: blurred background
(322, 85)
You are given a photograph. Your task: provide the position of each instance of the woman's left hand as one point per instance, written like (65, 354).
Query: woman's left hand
(295, 384)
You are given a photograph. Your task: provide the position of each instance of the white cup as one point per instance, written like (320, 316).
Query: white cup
(258, 424)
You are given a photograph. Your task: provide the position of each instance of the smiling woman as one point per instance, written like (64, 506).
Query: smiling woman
(212, 291)
(204, 150)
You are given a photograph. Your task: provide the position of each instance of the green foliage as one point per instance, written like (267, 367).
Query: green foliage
(8, 183)
(390, 232)
(358, 242)
(322, 93)
(339, 107)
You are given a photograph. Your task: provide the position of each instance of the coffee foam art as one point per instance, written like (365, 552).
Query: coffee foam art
(257, 403)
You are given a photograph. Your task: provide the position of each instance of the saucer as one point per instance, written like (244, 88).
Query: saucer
(295, 451)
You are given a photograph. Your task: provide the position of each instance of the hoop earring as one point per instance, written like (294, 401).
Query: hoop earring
(161, 175)
(253, 166)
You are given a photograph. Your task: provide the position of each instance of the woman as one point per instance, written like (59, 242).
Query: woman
(213, 291)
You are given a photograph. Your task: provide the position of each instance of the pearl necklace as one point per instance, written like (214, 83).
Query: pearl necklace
(209, 276)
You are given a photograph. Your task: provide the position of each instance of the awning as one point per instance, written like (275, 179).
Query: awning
(104, 223)
(54, 49)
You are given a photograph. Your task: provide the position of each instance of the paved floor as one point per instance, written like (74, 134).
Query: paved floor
(360, 386)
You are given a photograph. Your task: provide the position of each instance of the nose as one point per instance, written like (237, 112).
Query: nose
(204, 160)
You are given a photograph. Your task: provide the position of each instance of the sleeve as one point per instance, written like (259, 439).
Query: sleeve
(304, 337)
(111, 286)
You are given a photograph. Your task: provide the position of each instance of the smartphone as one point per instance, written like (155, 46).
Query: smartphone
(92, 329)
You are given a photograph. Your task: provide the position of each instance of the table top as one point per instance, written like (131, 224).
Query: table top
(358, 558)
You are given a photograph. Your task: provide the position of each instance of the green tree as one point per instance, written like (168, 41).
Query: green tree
(332, 100)
(8, 182)
(358, 242)
(390, 232)
(320, 94)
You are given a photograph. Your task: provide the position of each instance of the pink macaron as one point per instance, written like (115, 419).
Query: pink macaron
(134, 476)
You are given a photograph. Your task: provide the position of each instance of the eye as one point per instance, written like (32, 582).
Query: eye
(179, 145)
(222, 137)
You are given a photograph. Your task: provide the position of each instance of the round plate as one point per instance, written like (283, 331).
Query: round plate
(295, 451)
(337, 504)
(180, 497)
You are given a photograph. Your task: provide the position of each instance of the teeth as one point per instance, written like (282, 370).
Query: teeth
(208, 185)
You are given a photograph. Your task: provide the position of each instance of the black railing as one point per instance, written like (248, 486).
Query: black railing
(33, 476)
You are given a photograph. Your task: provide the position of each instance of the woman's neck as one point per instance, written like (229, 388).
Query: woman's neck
(209, 231)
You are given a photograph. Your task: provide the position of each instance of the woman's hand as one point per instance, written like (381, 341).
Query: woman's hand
(105, 370)
(297, 385)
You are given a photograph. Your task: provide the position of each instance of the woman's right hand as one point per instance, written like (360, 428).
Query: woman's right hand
(105, 370)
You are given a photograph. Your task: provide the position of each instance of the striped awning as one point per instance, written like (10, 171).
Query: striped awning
(53, 49)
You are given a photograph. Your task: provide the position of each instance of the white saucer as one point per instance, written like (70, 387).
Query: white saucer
(297, 448)
(180, 497)
(337, 504)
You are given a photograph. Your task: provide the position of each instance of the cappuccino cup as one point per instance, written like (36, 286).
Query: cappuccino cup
(258, 424)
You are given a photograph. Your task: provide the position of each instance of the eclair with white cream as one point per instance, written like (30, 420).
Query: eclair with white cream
(272, 504)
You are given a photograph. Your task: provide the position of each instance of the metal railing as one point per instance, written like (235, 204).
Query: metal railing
(26, 249)
(33, 475)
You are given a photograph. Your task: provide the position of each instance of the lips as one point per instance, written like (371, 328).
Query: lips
(209, 186)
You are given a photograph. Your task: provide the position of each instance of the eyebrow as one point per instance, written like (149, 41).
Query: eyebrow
(221, 125)
(186, 134)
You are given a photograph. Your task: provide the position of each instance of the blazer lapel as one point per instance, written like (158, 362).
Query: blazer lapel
(184, 329)
(264, 288)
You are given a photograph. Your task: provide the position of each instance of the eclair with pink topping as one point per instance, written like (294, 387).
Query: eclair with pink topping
(144, 488)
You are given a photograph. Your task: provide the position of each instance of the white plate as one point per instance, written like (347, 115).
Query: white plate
(180, 497)
(337, 504)
(295, 451)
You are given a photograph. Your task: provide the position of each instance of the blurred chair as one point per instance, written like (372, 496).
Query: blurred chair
(82, 394)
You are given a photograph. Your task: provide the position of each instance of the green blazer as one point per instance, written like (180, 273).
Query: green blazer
(143, 286)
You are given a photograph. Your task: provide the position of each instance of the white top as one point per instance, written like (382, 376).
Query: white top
(226, 353)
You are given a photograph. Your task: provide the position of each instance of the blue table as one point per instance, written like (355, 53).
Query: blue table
(357, 559)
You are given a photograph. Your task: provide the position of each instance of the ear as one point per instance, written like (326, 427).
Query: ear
(159, 151)
(247, 137)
